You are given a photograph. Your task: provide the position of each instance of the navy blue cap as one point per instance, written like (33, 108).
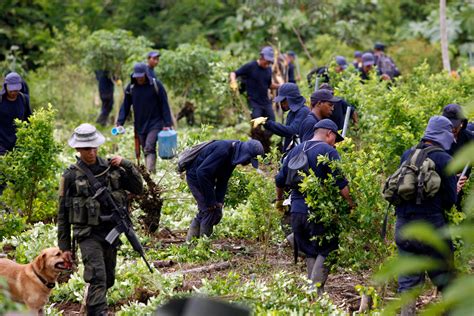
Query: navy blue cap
(267, 54)
(357, 54)
(379, 46)
(13, 81)
(323, 95)
(330, 125)
(287, 90)
(455, 114)
(153, 54)
(368, 59)
(341, 61)
(139, 70)
(291, 53)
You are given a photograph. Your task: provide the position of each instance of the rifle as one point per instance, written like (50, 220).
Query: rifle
(119, 214)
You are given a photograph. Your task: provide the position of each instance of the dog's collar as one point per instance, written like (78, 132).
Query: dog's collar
(49, 285)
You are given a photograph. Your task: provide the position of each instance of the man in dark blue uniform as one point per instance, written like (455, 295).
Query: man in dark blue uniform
(208, 176)
(462, 137)
(357, 63)
(430, 210)
(322, 106)
(258, 80)
(385, 65)
(291, 59)
(305, 231)
(151, 109)
(14, 104)
(340, 109)
(291, 100)
(153, 59)
(341, 64)
(368, 63)
(106, 93)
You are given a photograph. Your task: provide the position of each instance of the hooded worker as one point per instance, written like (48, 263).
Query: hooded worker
(208, 176)
(290, 100)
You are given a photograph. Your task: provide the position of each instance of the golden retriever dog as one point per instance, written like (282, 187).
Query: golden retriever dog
(32, 283)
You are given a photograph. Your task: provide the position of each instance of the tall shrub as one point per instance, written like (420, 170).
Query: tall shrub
(30, 168)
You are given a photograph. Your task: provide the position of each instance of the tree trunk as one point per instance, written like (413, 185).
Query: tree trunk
(444, 35)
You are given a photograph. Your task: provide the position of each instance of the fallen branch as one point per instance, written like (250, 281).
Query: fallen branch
(206, 269)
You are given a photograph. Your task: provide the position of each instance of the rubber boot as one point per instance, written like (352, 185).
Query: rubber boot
(291, 240)
(320, 274)
(193, 231)
(206, 230)
(309, 266)
(408, 309)
(150, 161)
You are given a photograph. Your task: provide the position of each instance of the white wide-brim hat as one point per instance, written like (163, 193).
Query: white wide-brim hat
(86, 135)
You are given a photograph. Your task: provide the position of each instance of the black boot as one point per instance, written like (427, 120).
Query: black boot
(193, 231)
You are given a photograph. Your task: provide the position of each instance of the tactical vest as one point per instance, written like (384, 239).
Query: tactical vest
(83, 209)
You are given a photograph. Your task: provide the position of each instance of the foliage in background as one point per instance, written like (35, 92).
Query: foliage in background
(30, 168)
(115, 51)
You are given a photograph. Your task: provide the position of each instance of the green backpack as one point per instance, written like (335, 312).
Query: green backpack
(416, 179)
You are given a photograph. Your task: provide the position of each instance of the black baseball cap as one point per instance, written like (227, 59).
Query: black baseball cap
(455, 114)
(323, 95)
(330, 125)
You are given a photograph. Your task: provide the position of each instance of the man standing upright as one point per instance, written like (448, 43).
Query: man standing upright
(152, 112)
(438, 139)
(106, 93)
(258, 80)
(291, 59)
(81, 211)
(13, 105)
(322, 107)
(385, 65)
(153, 59)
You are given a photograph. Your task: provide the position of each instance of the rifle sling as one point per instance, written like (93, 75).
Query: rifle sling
(95, 184)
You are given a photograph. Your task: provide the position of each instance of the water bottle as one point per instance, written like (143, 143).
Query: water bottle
(118, 130)
(167, 144)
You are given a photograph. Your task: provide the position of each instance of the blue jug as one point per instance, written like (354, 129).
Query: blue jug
(167, 144)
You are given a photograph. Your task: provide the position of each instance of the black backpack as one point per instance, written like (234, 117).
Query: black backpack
(296, 164)
(186, 158)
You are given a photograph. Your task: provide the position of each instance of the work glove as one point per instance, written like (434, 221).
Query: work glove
(280, 207)
(256, 122)
(234, 86)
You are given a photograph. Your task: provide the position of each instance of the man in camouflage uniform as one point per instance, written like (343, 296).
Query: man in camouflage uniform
(78, 208)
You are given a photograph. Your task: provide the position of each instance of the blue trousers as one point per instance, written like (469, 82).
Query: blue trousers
(439, 276)
(262, 110)
(205, 220)
(305, 231)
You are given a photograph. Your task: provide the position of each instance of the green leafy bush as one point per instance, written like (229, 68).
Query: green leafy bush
(115, 51)
(30, 168)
